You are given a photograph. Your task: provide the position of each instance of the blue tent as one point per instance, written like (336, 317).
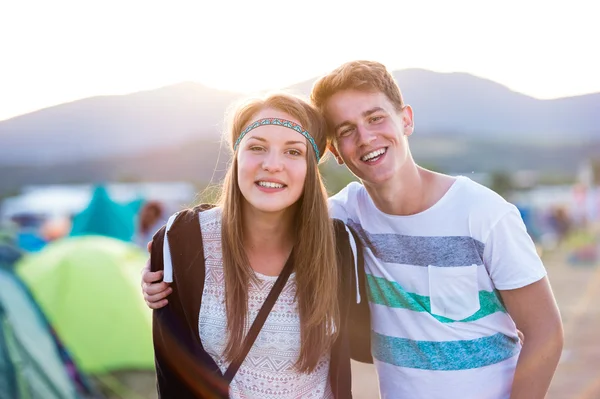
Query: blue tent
(105, 217)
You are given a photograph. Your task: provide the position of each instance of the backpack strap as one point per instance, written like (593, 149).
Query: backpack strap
(351, 253)
(185, 244)
(179, 356)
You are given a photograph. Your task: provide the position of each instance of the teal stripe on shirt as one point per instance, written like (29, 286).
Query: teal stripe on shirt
(444, 355)
(391, 294)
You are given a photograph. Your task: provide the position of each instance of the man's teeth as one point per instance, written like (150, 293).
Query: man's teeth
(269, 184)
(373, 154)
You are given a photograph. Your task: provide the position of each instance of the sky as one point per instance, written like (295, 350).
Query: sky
(52, 52)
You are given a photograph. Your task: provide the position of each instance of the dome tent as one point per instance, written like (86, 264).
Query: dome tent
(105, 217)
(30, 364)
(89, 289)
(33, 362)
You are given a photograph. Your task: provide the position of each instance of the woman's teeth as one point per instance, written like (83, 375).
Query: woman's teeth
(269, 184)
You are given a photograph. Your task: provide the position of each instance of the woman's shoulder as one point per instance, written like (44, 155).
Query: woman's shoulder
(192, 216)
(337, 223)
(342, 231)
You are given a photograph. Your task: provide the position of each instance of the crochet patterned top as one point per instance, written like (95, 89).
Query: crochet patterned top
(268, 370)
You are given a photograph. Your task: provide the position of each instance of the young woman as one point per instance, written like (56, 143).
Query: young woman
(225, 263)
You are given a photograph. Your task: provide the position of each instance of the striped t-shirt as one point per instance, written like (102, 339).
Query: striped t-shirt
(439, 328)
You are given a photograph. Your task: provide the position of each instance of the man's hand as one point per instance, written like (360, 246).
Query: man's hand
(155, 291)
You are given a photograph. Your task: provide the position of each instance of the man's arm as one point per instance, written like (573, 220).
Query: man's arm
(519, 275)
(536, 314)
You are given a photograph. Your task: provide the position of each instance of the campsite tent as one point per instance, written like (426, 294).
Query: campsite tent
(33, 364)
(105, 217)
(89, 289)
(9, 252)
(30, 364)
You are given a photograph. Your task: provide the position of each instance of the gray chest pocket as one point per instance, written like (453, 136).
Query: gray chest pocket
(453, 291)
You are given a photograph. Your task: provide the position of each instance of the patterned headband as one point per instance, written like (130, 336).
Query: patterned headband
(279, 122)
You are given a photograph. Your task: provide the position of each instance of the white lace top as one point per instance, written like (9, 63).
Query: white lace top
(268, 371)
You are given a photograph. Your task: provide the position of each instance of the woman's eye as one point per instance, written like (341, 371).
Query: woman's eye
(294, 152)
(256, 148)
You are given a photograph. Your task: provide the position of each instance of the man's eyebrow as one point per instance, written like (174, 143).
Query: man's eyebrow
(372, 111)
(364, 114)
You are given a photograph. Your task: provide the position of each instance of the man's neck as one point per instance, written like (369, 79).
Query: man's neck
(415, 190)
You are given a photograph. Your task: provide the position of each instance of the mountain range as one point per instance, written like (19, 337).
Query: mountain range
(127, 133)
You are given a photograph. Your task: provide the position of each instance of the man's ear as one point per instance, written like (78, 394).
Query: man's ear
(408, 120)
(335, 153)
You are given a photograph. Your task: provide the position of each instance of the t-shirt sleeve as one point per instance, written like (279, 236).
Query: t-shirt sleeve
(510, 255)
(337, 210)
(339, 203)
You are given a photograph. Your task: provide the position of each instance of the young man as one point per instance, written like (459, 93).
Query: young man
(451, 270)
(449, 263)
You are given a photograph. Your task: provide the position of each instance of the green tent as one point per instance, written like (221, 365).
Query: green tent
(105, 217)
(89, 288)
(30, 363)
(9, 253)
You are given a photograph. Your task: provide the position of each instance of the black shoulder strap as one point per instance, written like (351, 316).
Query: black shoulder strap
(360, 313)
(179, 356)
(187, 252)
(260, 319)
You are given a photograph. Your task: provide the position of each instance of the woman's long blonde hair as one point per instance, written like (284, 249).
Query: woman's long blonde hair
(314, 251)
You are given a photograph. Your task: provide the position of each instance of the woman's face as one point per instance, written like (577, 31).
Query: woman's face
(272, 164)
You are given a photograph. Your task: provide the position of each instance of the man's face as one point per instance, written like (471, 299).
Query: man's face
(370, 134)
